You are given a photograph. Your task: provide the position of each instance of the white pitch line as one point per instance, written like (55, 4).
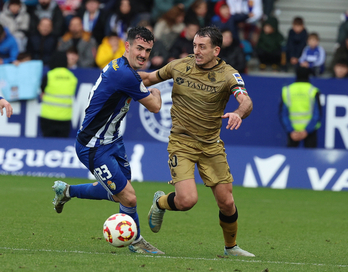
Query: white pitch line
(172, 257)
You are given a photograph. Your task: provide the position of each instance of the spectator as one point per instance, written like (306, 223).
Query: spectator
(158, 56)
(269, 46)
(93, 19)
(313, 55)
(340, 70)
(42, 44)
(222, 14)
(224, 20)
(170, 25)
(22, 57)
(112, 47)
(15, 17)
(82, 40)
(268, 6)
(120, 20)
(30, 4)
(142, 10)
(343, 29)
(161, 7)
(297, 40)
(246, 11)
(198, 11)
(69, 8)
(339, 59)
(183, 44)
(59, 87)
(72, 57)
(48, 9)
(8, 46)
(231, 52)
(247, 14)
(301, 111)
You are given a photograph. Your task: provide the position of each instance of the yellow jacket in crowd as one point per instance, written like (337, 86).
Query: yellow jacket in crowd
(112, 47)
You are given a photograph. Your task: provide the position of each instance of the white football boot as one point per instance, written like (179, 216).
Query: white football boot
(237, 251)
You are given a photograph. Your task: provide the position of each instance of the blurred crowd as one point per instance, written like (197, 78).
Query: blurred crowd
(93, 32)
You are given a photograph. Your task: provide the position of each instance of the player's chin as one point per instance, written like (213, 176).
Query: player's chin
(199, 62)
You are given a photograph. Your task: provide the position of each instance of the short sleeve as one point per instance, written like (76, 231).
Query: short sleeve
(166, 71)
(236, 84)
(236, 80)
(137, 90)
(130, 83)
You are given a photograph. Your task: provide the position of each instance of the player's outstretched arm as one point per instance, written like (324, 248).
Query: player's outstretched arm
(149, 78)
(152, 102)
(245, 106)
(243, 111)
(7, 106)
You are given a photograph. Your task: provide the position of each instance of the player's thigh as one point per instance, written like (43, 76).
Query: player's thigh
(82, 153)
(182, 160)
(103, 164)
(108, 170)
(119, 152)
(213, 166)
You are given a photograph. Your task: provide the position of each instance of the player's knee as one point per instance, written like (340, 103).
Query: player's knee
(130, 201)
(133, 201)
(226, 205)
(186, 203)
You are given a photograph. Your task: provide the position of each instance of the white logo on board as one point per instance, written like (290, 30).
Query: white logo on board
(159, 125)
(267, 169)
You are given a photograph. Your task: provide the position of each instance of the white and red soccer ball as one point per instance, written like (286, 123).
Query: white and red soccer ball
(120, 230)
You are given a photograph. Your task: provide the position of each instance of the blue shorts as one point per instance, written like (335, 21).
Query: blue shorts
(108, 163)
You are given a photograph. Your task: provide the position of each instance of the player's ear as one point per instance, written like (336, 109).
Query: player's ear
(127, 45)
(216, 51)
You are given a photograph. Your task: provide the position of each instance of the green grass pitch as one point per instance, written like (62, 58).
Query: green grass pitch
(287, 230)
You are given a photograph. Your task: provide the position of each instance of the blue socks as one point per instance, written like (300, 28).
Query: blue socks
(89, 191)
(132, 212)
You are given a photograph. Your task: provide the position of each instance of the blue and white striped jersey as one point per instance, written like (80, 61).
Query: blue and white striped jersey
(109, 102)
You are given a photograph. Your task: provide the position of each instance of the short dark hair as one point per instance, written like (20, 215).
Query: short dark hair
(342, 62)
(302, 73)
(14, 2)
(145, 23)
(24, 55)
(140, 32)
(72, 49)
(213, 33)
(314, 35)
(298, 21)
(58, 59)
(113, 34)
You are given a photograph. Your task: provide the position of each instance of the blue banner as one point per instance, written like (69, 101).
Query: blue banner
(250, 166)
(21, 82)
(261, 128)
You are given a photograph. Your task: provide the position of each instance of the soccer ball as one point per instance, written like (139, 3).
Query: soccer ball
(120, 230)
